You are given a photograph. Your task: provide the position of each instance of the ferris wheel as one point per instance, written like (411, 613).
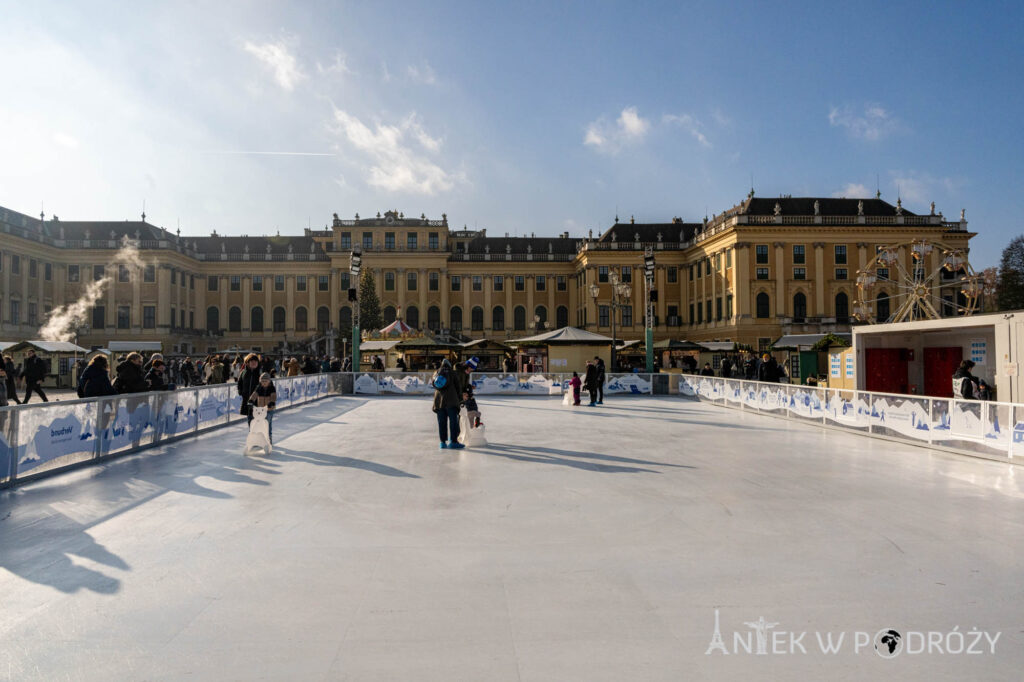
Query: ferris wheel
(920, 292)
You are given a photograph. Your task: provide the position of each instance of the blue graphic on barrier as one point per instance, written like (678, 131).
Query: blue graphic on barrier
(176, 418)
(283, 389)
(235, 401)
(6, 455)
(211, 408)
(311, 387)
(61, 437)
(298, 390)
(128, 428)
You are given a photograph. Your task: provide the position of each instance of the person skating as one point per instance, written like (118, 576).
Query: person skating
(590, 382)
(447, 393)
(247, 382)
(575, 383)
(600, 379)
(34, 373)
(472, 409)
(264, 395)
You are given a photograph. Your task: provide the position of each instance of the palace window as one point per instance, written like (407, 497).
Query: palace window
(33, 268)
(16, 265)
(478, 283)
(718, 309)
(279, 316)
(410, 281)
(345, 281)
(883, 274)
(47, 271)
(499, 282)
(840, 254)
(728, 259)
(799, 254)
(432, 240)
(627, 316)
(32, 314)
(728, 306)
(799, 307)
(761, 253)
(149, 317)
(841, 273)
(323, 283)
(236, 282)
(73, 273)
(627, 273)
(799, 273)
(346, 241)
(541, 283)
(122, 273)
(149, 273)
(602, 316)
(300, 282)
(520, 283)
(412, 241)
(389, 240)
(389, 281)
(762, 273)
(278, 282)
(602, 273)
(457, 286)
(673, 274)
(98, 271)
(763, 305)
(434, 282)
(257, 282)
(124, 317)
(560, 283)
(174, 275)
(212, 282)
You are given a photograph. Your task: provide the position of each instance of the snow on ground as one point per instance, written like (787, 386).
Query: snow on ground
(586, 544)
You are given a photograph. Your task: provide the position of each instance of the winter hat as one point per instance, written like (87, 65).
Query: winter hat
(265, 376)
(473, 362)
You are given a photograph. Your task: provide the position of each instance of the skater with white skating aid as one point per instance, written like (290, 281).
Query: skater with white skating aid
(262, 402)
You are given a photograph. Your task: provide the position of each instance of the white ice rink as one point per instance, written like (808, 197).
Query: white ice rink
(589, 544)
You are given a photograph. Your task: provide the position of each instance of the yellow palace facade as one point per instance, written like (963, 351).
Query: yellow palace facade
(763, 268)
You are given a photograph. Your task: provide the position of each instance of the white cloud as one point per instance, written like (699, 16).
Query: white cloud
(422, 74)
(385, 74)
(65, 140)
(629, 128)
(393, 163)
(853, 190)
(690, 125)
(339, 66)
(873, 122)
(278, 58)
(922, 188)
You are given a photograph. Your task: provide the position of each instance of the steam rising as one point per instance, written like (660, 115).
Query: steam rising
(63, 320)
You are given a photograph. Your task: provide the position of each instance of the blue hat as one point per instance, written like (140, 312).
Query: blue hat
(473, 362)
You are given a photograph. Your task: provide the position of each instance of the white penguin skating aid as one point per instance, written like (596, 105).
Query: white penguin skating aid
(259, 433)
(470, 436)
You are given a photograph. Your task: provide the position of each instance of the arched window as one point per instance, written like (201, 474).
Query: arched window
(519, 318)
(542, 313)
(882, 308)
(301, 319)
(842, 307)
(412, 317)
(345, 317)
(498, 319)
(279, 319)
(434, 318)
(388, 315)
(762, 305)
(562, 317)
(456, 319)
(256, 319)
(799, 307)
(323, 318)
(477, 319)
(212, 319)
(235, 319)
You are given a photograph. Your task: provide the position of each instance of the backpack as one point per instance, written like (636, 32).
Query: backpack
(959, 384)
(441, 378)
(81, 385)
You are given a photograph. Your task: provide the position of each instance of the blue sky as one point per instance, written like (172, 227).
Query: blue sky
(515, 117)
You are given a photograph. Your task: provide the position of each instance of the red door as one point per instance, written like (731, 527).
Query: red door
(939, 366)
(886, 370)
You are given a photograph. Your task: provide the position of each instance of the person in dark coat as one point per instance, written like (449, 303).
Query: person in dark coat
(12, 393)
(726, 368)
(248, 382)
(3, 391)
(707, 371)
(964, 383)
(34, 372)
(750, 367)
(95, 379)
(446, 406)
(600, 379)
(768, 370)
(155, 377)
(590, 382)
(129, 375)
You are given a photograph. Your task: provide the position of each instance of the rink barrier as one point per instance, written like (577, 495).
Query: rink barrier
(40, 439)
(992, 430)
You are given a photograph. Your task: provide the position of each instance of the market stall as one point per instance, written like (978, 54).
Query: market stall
(491, 354)
(562, 350)
(59, 356)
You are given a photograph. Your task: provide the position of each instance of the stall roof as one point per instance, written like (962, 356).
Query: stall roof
(805, 340)
(426, 342)
(564, 336)
(4, 345)
(48, 347)
(674, 344)
(631, 344)
(486, 343)
(716, 346)
(148, 346)
(378, 345)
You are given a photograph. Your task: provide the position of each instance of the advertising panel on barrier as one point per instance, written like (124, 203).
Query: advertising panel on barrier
(312, 384)
(495, 383)
(366, 384)
(850, 409)
(322, 385)
(129, 421)
(897, 415)
(965, 420)
(7, 420)
(404, 384)
(539, 384)
(806, 402)
(213, 405)
(177, 412)
(234, 403)
(688, 386)
(628, 383)
(298, 390)
(55, 435)
(283, 388)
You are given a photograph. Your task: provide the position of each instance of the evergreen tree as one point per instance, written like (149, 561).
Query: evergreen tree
(1011, 276)
(369, 304)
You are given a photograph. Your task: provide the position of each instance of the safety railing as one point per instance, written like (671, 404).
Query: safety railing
(44, 438)
(973, 427)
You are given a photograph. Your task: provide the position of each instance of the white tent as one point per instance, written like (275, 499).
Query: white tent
(566, 335)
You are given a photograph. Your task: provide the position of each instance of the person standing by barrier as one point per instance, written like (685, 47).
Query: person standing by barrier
(590, 382)
(964, 383)
(248, 381)
(35, 372)
(600, 379)
(9, 371)
(95, 379)
(447, 396)
(768, 370)
(129, 375)
(726, 367)
(750, 367)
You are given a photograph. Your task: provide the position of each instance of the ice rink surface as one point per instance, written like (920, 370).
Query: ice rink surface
(588, 544)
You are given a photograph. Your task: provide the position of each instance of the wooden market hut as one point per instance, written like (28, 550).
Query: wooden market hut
(562, 350)
(491, 354)
(424, 353)
(61, 373)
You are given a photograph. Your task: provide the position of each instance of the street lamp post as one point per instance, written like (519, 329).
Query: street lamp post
(649, 317)
(355, 265)
(621, 293)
